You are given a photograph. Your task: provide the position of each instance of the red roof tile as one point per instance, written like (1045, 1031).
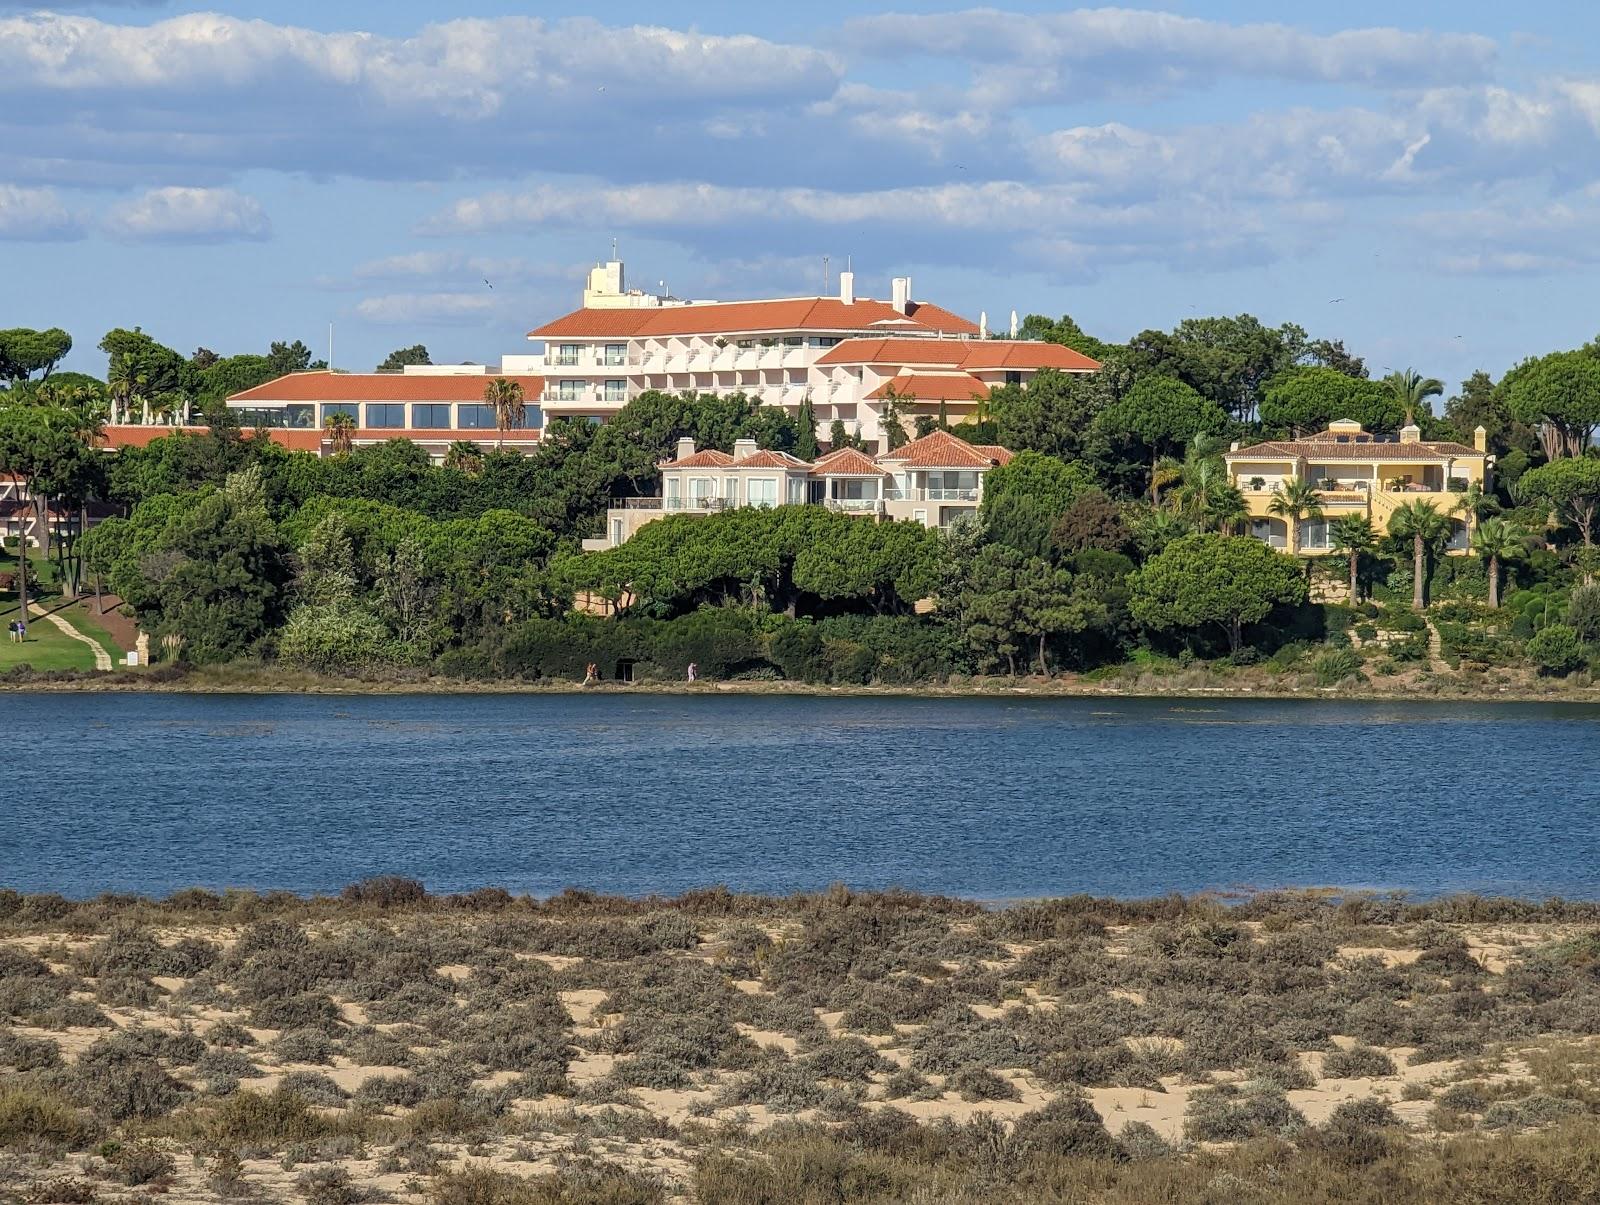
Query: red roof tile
(709, 458)
(968, 355)
(1369, 449)
(765, 459)
(933, 387)
(846, 462)
(381, 387)
(941, 450)
(735, 317)
(996, 452)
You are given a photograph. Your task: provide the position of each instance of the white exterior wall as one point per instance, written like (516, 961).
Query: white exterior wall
(780, 375)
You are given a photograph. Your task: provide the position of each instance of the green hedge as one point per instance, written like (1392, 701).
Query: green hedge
(721, 641)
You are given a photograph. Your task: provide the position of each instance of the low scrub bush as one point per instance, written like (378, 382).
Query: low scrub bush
(29, 1115)
(1357, 1062)
(1226, 1114)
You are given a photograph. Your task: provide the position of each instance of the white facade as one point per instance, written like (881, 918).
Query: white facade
(622, 344)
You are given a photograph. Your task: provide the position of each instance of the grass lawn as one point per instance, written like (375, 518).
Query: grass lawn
(47, 646)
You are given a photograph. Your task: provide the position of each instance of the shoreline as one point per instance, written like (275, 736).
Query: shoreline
(265, 681)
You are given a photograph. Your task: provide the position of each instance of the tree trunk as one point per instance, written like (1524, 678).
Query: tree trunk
(1355, 584)
(1011, 664)
(1044, 668)
(1494, 581)
(41, 512)
(22, 577)
(1416, 571)
(1235, 635)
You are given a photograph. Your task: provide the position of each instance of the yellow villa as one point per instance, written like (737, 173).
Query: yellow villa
(1360, 474)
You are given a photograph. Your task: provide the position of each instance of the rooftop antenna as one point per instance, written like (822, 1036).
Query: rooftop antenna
(330, 347)
(613, 248)
(824, 275)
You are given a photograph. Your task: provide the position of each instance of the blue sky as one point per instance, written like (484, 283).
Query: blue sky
(256, 171)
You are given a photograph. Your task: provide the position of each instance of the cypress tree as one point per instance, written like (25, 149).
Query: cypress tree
(805, 443)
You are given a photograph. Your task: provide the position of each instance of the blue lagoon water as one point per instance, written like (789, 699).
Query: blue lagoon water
(990, 798)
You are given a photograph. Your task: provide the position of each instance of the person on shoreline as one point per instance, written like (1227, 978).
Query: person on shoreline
(591, 674)
(694, 672)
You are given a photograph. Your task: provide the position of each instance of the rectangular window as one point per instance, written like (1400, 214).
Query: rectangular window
(474, 416)
(674, 490)
(616, 355)
(762, 491)
(569, 391)
(701, 489)
(1013, 378)
(567, 355)
(349, 408)
(386, 415)
(616, 391)
(797, 490)
(794, 341)
(822, 341)
(431, 416)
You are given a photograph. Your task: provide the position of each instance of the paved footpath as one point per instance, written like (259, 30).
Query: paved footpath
(102, 659)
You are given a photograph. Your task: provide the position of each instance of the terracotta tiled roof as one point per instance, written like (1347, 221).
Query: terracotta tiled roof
(734, 317)
(846, 462)
(941, 450)
(381, 387)
(933, 387)
(708, 458)
(967, 354)
(999, 454)
(1006, 353)
(1376, 450)
(765, 459)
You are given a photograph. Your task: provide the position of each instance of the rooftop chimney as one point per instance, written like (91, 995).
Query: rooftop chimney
(901, 289)
(847, 287)
(983, 325)
(685, 448)
(1411, 434)
(1480, 439)
(743, 448)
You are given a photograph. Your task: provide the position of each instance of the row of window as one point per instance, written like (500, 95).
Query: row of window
(577, 391)
(759, 491)
(428, 416)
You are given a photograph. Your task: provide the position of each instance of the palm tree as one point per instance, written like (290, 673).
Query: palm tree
(464, 456)
(1411, 389)
(1296, 501)
(341, 431)
(1496, 540)
(510, 409)
(1353, 535)
(1164, 472)
(1424, 524)
(1476, 504)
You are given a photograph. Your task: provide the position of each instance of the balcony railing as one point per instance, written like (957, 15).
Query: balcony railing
(931, 495)
(855, 505)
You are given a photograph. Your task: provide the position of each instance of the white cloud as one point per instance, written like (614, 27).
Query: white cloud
(207, 90)
(1508, 238)
(189, 215)
(35, 215)
(1061, 227)
(413, 309)
(463, 268)
(1043, 58)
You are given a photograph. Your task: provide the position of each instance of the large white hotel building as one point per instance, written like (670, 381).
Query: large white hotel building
(848, 355)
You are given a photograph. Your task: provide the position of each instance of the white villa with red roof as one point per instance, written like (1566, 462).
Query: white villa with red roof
(930, 480)
(850, 356)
